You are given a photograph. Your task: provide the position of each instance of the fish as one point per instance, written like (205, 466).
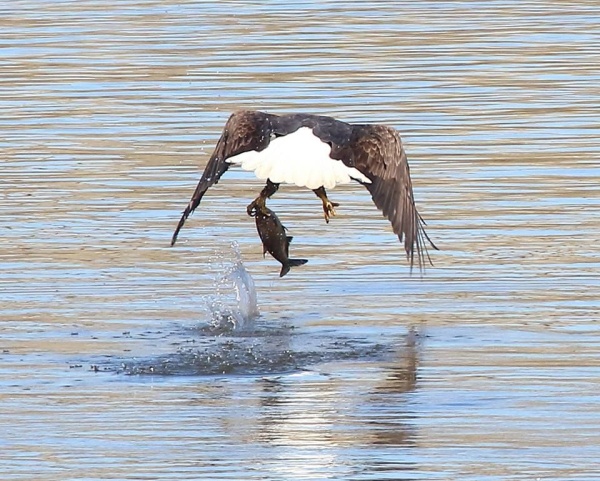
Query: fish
(274, 239)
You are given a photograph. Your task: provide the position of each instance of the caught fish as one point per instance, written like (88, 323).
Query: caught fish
(274, 239)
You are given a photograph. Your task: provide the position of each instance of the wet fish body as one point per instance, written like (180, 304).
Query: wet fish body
(274, 239)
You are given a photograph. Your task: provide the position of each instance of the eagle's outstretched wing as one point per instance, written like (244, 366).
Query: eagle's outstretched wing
(244, 131)
(378, 153)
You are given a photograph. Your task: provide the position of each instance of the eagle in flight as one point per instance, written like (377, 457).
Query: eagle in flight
(319, 153)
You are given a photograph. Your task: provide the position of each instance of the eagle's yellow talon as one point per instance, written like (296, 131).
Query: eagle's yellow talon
(329, 209)
(328, 206)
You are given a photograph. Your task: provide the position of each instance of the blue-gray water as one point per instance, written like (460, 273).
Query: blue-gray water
(112, 365)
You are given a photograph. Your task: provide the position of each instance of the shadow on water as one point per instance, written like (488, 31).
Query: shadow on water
(236, 339)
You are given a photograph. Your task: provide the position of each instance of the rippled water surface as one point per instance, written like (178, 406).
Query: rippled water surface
(123, 358)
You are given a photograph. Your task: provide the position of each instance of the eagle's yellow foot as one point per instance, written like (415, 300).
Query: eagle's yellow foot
(328, 206)
(328, 209)
(258, 204)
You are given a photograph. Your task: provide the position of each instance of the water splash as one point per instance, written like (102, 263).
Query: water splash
(235, 342)
(234, 305)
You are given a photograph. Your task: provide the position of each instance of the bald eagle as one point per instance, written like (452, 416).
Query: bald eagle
(319, 153)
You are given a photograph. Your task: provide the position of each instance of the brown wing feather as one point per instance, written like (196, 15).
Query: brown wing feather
(379, 154)
(244, 131)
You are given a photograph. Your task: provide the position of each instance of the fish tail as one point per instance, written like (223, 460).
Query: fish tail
(291, 263)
